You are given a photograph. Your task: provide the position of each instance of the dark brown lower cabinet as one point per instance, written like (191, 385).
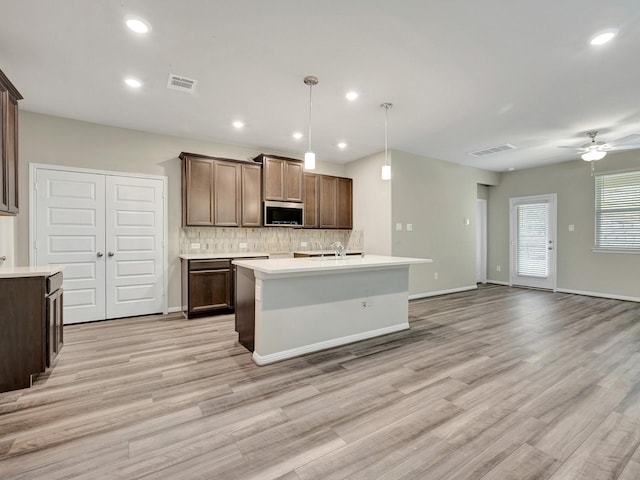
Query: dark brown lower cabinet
(31, 325)
(208, 287)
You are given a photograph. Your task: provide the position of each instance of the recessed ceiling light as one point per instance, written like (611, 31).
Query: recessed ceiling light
(238, 124)
(342, 145)
(137, 25)
(297, 135)
(603, 37)
(351, 95)
(133, 82)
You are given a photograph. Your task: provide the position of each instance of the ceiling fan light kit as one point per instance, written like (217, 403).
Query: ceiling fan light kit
(593, 155)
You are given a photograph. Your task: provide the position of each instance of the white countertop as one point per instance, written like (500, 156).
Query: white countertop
(36, 271)
(316, 264)
(205, 256)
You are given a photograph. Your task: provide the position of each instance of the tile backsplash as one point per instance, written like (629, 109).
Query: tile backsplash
(265, 239)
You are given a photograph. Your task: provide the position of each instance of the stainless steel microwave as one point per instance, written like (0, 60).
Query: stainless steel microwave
(283, 214)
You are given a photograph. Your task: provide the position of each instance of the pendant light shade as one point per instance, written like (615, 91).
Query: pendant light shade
(385, 174)
(310, 157)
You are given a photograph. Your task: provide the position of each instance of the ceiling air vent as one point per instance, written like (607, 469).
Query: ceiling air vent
(492, 150)
(176, 82)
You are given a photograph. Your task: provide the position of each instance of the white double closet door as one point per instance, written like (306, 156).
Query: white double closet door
(108, 233)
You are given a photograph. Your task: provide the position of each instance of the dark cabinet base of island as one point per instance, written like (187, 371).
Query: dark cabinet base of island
(31, 326)
(245, 307)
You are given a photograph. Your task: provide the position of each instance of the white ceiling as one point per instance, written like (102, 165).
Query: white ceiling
(463, 75)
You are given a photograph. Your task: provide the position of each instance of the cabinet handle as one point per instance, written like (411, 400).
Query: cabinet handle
(3, 258)
(111, 254)
(100, 254)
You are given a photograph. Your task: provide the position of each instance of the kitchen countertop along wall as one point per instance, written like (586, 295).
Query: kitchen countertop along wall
(266, 239)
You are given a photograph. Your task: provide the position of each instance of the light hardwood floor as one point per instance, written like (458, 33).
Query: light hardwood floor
(499, 383)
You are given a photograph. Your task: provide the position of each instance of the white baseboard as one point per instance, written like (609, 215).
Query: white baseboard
(498, 282)
(598, 294)
(174, 309)
(416, 296)
(335, 342)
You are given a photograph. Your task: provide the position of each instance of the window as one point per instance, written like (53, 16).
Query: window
(618, 211)
(531, 240)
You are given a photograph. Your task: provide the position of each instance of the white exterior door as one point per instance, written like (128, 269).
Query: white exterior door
(70, 231)
(533, 241)
(134, 219)
(108, 233)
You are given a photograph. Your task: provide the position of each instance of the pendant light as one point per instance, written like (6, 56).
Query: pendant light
(386, 168)
(310, 157)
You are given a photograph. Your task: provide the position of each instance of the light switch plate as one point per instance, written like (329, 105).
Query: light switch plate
(243, 245)
(195, 246)
(572, 228)
(409, 227)
(303, 244)
(398, 227)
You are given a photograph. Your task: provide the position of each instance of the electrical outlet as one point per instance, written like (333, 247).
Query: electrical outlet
(498, 268)
(398, 227)
(409, 227)
(243, 245)
(303, 244)
(435, 276)
(195, 246)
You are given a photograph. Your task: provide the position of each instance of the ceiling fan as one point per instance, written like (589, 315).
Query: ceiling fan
(593, 150)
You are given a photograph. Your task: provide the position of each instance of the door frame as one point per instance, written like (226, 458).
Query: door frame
(481, 239)
(552, 200)
(34, 167)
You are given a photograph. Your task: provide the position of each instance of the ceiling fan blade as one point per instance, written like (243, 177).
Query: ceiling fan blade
(567, 146)
(633, 138)
(623, 147)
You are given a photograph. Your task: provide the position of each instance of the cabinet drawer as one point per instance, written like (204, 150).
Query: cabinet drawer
(195, 265)
(54, 282)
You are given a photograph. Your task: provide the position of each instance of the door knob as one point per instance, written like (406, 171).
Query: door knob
(99, 254)
(3, 258)
(111, 254)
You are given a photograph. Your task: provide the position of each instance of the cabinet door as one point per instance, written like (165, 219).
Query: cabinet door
(310, 198)
(328, 202)
(11, 150)
(4, 193)
(345, 203)
(210, 290)
(293, 181)
(251, 196)
(54, 326)
(273, 178)
(226, 194)
(197, 193)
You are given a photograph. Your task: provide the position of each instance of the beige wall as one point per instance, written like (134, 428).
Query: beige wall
(436, 197)
(371, 203)
(60, 141)
(579, 268)
(483, 192)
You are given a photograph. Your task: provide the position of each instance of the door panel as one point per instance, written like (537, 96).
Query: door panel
(70, 232)
(134, 237)
(533, 240)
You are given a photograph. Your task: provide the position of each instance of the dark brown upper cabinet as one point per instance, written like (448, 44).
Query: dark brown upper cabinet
(310, 197)
(218, 192)
(251, 202)
(328, 201)
(9, 97)
(281, 178)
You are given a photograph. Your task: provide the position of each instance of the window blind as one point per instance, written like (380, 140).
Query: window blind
(618, 211)
(532, 240)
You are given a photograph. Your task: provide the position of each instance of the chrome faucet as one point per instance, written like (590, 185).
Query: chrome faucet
(340, 250)
(321, 248)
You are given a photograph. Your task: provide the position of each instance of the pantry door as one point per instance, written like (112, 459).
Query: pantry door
(533, 241)
(134, 244)
(70, 231)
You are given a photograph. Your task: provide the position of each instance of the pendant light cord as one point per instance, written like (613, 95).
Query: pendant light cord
(310, 109)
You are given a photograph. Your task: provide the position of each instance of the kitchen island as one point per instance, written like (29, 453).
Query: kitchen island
(293, 306)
